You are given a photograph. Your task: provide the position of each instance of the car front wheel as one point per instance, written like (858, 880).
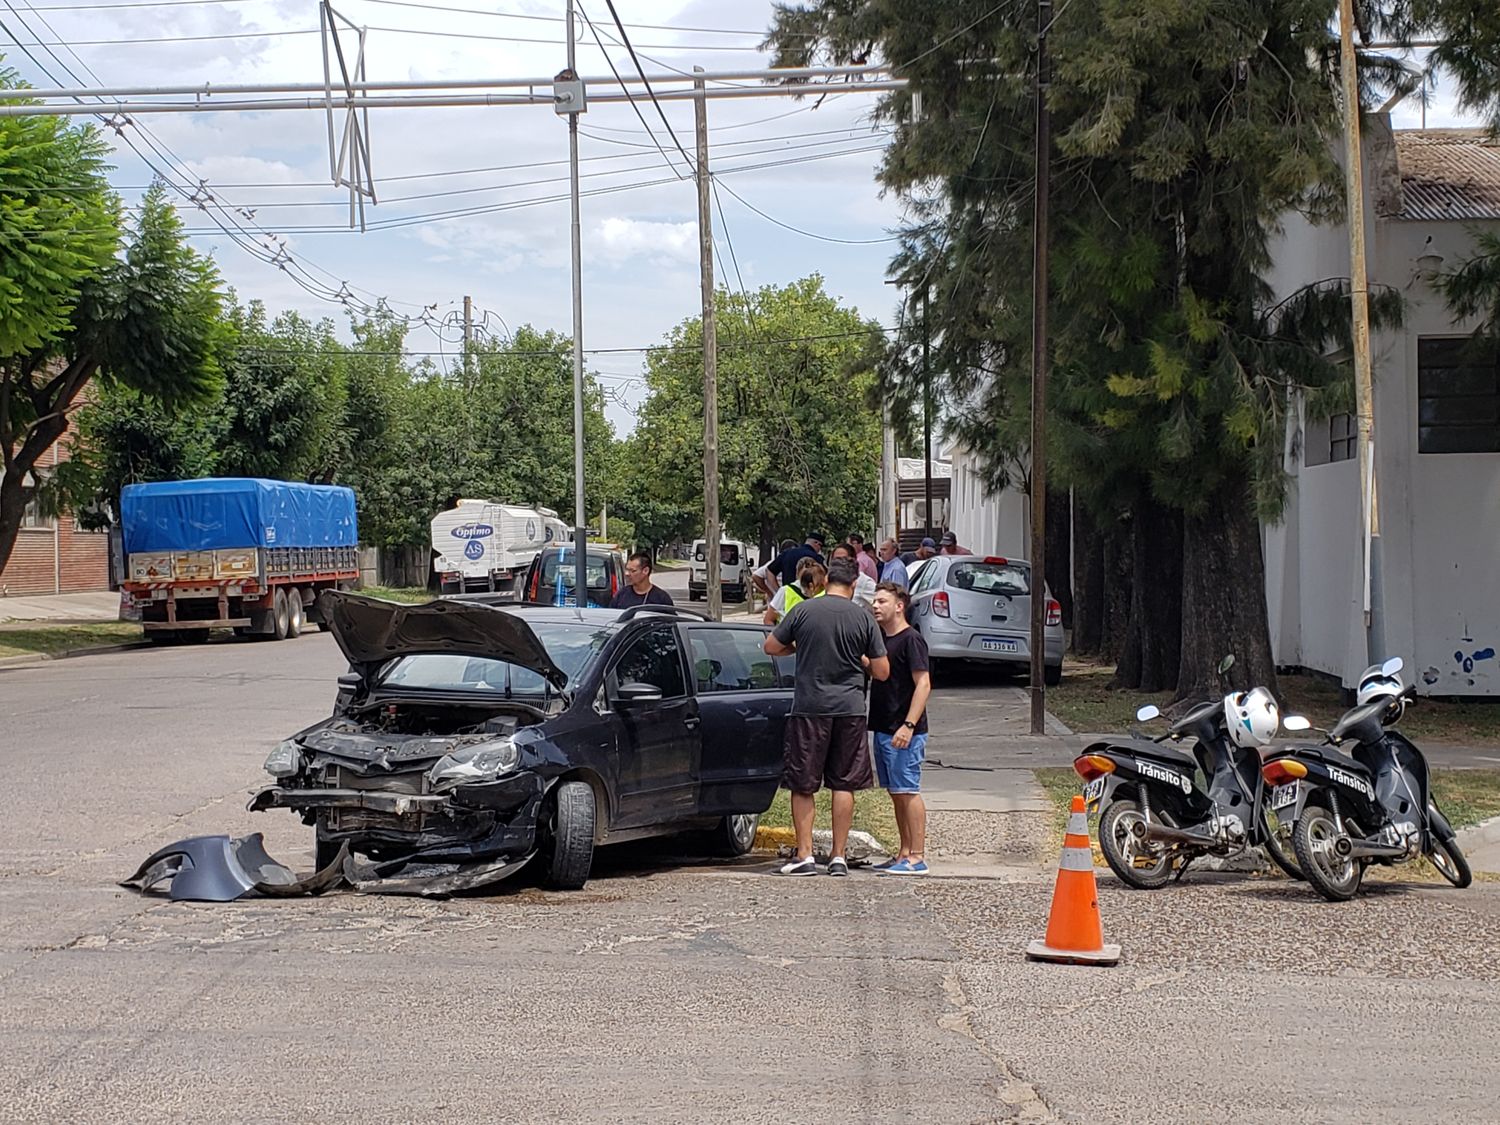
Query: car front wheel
(571, 846)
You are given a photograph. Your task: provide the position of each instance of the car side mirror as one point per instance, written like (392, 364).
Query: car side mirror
(351, 681)
(1296, 722)
(633, 693)
(1147, 713)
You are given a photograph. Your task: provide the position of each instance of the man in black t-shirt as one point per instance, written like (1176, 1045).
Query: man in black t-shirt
(784, 566)
(898, 720)
(639, 589)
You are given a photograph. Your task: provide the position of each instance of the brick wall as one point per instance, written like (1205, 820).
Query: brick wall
(61, 559)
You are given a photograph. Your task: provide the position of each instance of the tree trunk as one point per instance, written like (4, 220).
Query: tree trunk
(12, 509)
(1116, 539)
(1088, 584)
(1149, 657)
(1060, 552)
(1224, 599)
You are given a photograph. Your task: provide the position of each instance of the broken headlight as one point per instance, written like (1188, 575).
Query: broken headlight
(474, 764)
(285, 760)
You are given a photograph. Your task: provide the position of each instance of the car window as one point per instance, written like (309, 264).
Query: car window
(731, 660)
(598, 572)
(653, 658)
(926, 578)
(990, 578)
(571, 646)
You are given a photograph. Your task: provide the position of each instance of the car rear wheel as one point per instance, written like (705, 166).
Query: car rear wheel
(570, 856)
(734, 835)
(1052, 675)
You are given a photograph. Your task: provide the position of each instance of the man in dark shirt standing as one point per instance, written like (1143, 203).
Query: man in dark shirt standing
(639, 589)
(835, 641)
(784, 565)
(898, 720)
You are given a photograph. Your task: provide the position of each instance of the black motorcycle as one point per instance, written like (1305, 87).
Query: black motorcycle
(1374, 805)
(1157, 818)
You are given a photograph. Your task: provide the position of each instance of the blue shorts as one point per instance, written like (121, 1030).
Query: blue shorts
(900, 771)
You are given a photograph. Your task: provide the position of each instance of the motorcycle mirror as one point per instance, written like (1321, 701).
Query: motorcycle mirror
(1226, 664)
(1147, 713)
(1392, 666)
(1296, 722)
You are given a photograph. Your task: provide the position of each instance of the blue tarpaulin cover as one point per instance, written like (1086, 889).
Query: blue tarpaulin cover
(224, 512)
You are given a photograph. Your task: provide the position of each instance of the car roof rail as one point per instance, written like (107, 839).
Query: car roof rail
(669, 610)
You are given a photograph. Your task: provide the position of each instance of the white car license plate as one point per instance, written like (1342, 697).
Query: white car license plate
(1284, 795)
(998, 644)
(1093, 791)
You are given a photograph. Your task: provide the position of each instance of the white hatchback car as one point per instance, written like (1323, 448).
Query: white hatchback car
(978, 608)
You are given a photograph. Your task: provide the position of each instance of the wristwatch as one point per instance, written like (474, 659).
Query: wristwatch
(909, 724)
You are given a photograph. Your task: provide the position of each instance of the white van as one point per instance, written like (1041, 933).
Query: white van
(735, 564)
(482, 545)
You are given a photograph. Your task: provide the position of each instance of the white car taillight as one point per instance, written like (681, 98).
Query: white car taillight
(940, 604)
(1054, 612)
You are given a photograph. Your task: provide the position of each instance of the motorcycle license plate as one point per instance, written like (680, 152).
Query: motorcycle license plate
(1093, 791)
(1284, 796)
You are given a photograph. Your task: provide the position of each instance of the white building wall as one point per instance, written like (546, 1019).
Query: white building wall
(986, 524)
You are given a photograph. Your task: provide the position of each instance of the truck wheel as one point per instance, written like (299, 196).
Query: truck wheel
(571, 853)
(162, 637)
(280, 616)
(295, 614)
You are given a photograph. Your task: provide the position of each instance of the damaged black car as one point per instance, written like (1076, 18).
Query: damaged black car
(473, 735)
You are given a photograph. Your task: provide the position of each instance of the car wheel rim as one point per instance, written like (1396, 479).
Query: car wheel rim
(742, 828)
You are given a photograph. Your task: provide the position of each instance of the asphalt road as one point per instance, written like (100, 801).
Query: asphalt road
(671, 989)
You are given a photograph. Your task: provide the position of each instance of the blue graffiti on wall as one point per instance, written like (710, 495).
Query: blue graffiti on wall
(1467, 662)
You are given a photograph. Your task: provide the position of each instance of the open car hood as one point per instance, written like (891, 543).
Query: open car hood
(371, 632)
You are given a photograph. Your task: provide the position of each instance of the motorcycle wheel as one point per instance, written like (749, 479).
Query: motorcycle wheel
(1125, 854)
(1334, 878)
(1277, 847)
(1450, 863)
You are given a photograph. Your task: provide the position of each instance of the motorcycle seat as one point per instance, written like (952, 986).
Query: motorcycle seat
(1328, 755)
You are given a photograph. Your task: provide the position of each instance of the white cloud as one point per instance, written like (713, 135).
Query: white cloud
(619, 240)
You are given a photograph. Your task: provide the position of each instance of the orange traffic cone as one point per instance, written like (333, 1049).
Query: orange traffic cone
(1074, 934)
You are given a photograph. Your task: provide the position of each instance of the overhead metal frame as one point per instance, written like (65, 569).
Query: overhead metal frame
(349, 161)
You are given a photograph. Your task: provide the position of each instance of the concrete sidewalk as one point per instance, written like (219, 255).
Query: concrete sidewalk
(101, 606)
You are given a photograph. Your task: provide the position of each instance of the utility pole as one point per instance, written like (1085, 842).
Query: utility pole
(715, 592)
(1039, 377)
(573, 108)
(1364, 389)
(468, 339)
(927, 409)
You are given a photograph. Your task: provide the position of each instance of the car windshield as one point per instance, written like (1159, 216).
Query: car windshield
(597, 572)
(571, 645)
(990, 577)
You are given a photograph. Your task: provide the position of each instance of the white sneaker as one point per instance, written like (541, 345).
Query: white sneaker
(838, 866)
(808, 866)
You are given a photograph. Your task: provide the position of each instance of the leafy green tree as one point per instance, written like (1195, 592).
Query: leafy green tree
(83, 300)
(798, 445)
(1183, 132)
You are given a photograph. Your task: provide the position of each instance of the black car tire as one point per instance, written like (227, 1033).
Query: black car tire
(279, 615)
(295, 614)
(1051, 674)
(734, 836)
(571, 854)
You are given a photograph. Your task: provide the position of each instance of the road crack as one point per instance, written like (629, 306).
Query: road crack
(1022, 1098)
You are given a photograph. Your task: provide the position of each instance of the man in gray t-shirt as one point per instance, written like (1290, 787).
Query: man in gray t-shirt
(836, 641)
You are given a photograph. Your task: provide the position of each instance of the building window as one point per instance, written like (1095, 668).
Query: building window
(32, 518)
(1330, 439)
(1458, 396)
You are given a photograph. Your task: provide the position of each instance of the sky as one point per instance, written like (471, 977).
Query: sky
(805, 165)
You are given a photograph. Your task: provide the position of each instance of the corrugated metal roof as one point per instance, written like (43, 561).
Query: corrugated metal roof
(1448, 174)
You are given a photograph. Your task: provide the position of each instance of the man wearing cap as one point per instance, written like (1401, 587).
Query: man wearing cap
(950, 545)
(926, 550)
(784, 566)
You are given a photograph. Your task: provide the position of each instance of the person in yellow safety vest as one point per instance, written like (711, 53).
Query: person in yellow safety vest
(811, 577)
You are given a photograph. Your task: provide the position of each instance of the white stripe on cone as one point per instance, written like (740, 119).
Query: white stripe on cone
(1076, 859)
(1078, 824)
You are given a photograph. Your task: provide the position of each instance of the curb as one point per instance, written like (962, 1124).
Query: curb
(8, 663)
(769, 839)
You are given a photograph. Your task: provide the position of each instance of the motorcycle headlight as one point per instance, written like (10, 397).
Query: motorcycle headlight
(484, 762)
(285, 760)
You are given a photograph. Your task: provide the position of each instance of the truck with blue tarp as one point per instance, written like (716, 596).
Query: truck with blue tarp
(234, 553)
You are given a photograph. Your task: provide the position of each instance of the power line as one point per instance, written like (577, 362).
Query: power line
(634, 107)
(808, 233)
(647, 83)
